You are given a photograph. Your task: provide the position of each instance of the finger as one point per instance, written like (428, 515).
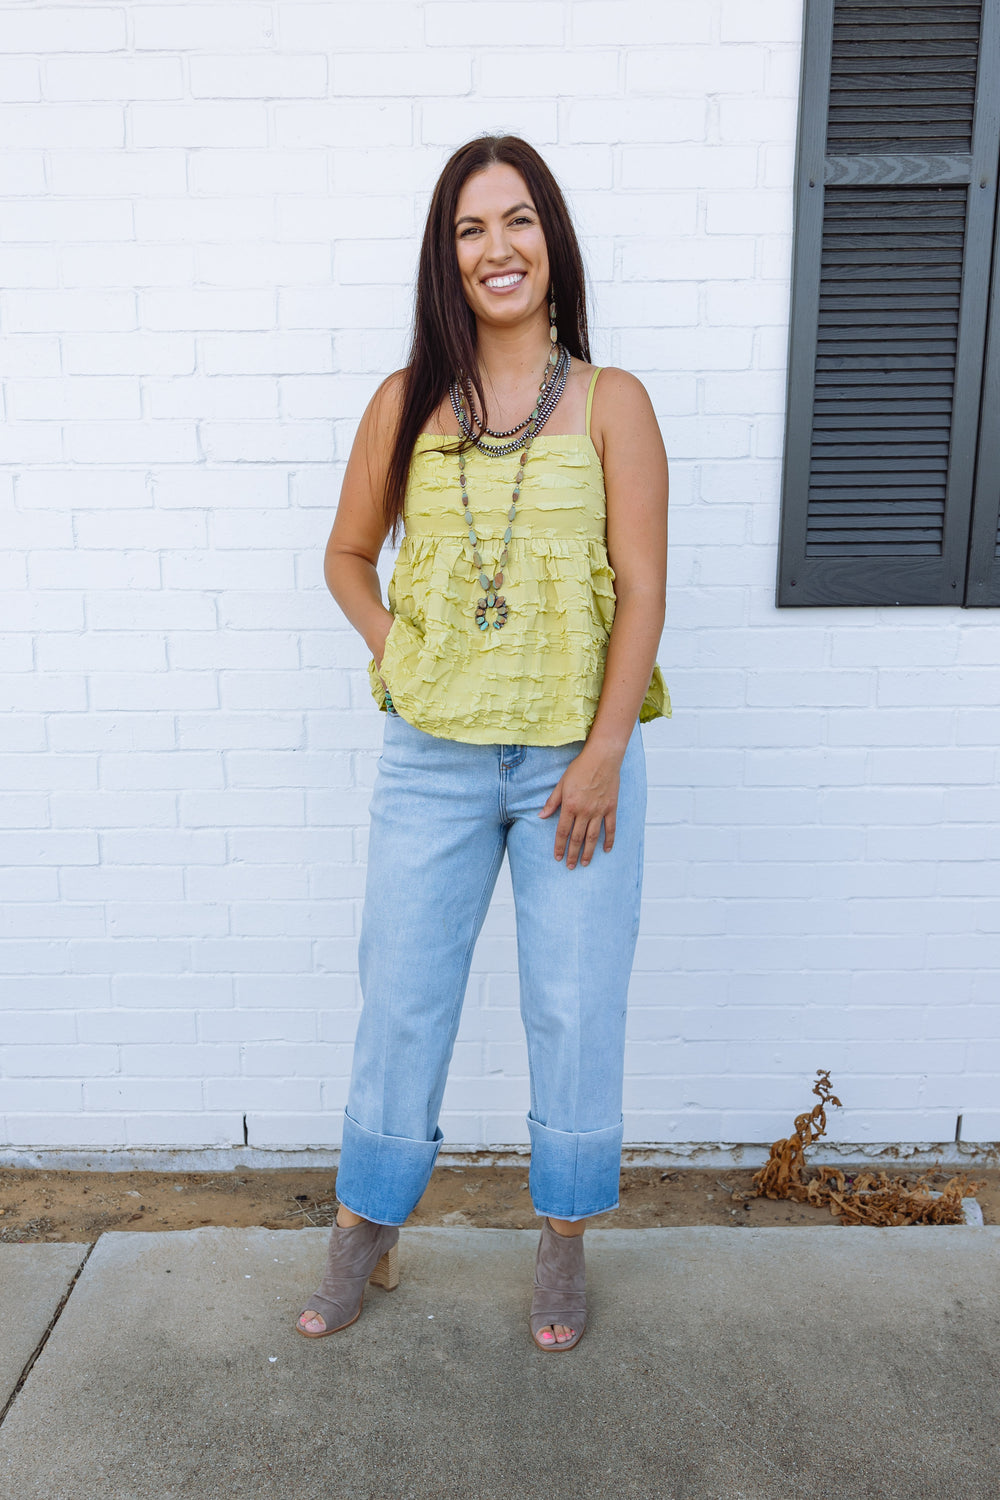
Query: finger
(609, 831)
(555, 799)
(590, 842)
(576, 839)
(589, 831)
(563, 831)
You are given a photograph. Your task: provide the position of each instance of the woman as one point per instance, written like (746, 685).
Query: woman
(513, 664)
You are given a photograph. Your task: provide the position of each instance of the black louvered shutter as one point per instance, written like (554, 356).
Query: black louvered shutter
(899, 135)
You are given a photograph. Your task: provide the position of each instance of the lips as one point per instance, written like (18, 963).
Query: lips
(504, 283)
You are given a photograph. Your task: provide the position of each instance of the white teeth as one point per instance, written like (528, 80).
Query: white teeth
(505, 280)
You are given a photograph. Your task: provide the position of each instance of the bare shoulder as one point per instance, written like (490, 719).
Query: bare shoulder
(392, 386)
(623, 421)
(618, 393)
(385, 406)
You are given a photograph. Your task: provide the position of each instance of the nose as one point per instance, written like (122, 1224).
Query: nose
(497, 246)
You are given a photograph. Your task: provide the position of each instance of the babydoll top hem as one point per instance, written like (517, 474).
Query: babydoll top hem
(463, 735)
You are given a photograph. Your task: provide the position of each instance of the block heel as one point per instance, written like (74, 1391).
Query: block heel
(386, 1273)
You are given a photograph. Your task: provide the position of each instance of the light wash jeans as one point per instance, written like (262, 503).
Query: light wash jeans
(442, 814)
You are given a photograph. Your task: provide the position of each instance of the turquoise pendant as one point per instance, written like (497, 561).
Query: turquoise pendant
(495, 603)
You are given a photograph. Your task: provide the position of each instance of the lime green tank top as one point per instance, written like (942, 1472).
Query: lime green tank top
(537, 680)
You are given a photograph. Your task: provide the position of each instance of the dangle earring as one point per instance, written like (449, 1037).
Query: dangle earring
(553, 330)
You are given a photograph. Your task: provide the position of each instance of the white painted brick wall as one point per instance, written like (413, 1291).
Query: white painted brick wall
(207, 248)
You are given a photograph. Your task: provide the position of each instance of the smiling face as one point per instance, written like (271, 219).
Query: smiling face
(502, 257)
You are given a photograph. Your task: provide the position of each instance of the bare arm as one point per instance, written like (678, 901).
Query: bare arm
(636, 482)
(359, 529)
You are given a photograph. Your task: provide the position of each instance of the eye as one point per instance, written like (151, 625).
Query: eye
(463, 234)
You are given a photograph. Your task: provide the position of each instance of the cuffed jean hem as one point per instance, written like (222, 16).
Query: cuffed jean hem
(383, 1177)
(574, 1174)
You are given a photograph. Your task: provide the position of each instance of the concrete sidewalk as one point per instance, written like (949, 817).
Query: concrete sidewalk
(720, 1364)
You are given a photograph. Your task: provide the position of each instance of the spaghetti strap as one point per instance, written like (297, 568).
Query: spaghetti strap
(590, 395)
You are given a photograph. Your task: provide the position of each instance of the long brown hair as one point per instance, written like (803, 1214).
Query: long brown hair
(444, 326)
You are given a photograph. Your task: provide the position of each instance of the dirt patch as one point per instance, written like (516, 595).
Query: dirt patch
(79, 1206)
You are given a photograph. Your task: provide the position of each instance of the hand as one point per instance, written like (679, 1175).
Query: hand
(587, 795)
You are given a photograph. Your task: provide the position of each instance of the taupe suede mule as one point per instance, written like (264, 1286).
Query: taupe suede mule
(560, 1281)
(363, 1253)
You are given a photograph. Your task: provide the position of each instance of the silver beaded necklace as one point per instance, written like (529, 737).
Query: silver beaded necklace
(471, 426)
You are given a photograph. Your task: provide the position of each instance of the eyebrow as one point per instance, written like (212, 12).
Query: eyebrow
(475, 219)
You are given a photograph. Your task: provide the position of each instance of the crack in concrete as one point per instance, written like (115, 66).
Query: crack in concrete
(45, 1336)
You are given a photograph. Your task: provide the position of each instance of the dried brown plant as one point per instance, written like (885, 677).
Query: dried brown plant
(872, 1198)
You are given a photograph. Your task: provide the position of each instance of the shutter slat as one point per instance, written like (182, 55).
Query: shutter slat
(900, 371)
(859, 422)
(858, 94)
(884, 526)
(842, 318)
(850, 408)
(925, 200)
(886, 7)
(846, 303)
(935, 120)
(930, 534)
(873, 467)
(918, 383)
(938, 250)
(949, 39)
(871, 456)
(879, 507)
(909, 269)
(861, 68)
(885, 42)
(888, 550)
(847, 244)
(879, 10)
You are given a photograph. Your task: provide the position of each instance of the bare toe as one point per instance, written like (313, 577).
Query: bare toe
(311, 1322)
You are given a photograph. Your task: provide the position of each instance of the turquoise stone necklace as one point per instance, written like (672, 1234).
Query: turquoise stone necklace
(492, 600)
